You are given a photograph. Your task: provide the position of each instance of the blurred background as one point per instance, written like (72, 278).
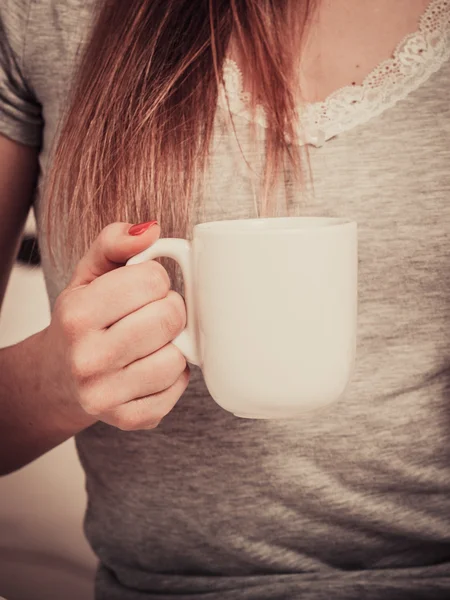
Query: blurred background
(43, 553)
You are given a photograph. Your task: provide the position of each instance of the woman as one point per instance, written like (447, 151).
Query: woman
(342, 110)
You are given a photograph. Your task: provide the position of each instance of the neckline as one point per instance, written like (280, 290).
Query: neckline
(416, 57)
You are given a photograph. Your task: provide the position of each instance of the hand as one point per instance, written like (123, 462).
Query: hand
(108, 344)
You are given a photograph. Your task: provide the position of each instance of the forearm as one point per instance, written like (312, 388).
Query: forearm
(35, 412)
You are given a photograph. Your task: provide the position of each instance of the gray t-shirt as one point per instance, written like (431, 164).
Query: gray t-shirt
(350, 503)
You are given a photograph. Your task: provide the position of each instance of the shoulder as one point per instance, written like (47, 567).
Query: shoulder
(15, 10)
(52, 32)
(43, 18)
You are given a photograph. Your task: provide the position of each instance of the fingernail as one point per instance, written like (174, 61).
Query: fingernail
(141, 227)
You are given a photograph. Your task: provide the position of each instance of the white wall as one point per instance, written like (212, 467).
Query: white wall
(43, 553)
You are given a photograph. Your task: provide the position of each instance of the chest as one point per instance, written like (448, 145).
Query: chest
(346, 40)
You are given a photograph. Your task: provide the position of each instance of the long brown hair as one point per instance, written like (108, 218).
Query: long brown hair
(135, 140)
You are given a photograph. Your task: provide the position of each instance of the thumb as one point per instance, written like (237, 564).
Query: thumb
(115, 244)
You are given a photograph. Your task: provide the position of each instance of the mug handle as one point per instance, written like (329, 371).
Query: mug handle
(181, 251)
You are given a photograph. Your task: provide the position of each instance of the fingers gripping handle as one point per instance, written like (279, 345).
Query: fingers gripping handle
(180, 251)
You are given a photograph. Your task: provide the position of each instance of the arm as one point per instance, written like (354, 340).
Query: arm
(89, 364)
(30, 418)
(98, 359)
(18, 170)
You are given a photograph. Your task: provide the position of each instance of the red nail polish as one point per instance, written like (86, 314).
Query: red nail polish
(141, 227)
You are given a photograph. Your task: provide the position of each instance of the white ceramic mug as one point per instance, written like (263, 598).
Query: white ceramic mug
(271, 311)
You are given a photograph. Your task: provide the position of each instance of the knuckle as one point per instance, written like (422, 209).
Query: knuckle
(159, 410)
(92, 401)
(153, 424)
(90, 407)
(128, 421)
(184, 380)
(159, 279)
(186, 375)
(180, 385)
(170, 396)
(178, 362)
(107, 238)
(168, 369)
(174, 318)
(108, 234)
(142, 414)
(78, 367)
(84, 365)
(110, 228)
(71, 316)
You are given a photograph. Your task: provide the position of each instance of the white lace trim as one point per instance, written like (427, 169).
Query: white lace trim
(415, 59)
